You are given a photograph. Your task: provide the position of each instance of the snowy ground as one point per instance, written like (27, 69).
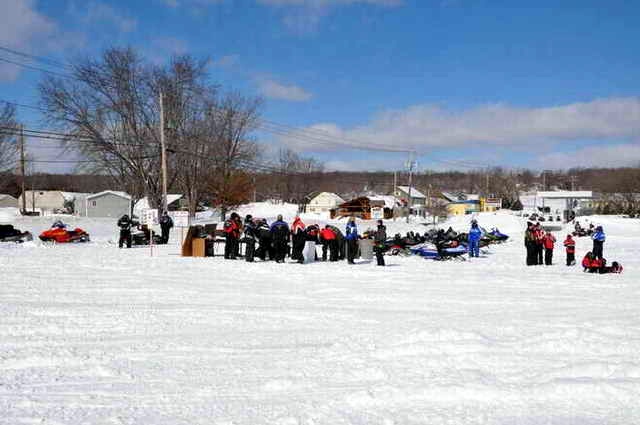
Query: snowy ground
(92, 334)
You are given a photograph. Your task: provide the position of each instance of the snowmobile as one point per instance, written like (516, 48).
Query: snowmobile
(446, 252)
(10, 234)
(497, 236)
(60, 234)
(142, 236)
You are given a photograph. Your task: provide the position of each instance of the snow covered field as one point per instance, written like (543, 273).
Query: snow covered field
(95, 335)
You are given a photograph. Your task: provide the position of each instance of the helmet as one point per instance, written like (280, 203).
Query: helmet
(279, 216)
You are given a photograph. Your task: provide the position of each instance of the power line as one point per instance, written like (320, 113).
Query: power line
(42, 59)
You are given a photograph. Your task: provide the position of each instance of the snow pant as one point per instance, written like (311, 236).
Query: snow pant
(531, 255)
(230, 247)
(571, 258)
(125, 237)
(352, 250)
(298, 246)
(597, 249)
(250, 250)
(548, 256)
(280, 249)
(264, 249)
(325, 250)
(165, 234)
(341, 245)
(474, 248)
(539, 250)
(379, 251)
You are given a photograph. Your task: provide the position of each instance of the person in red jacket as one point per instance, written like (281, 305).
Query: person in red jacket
(591, 264)
(298, 238)
(329, 243)
(570, 248)
(548, 241)
(539, 243)
(231, 231)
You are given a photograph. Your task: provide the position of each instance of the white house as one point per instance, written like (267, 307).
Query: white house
(8, 201)
(106, 204)
(45, 201)
(173, 201)
(322, 202)
(417, 198)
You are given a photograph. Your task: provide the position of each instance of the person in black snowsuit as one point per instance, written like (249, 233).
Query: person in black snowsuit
(379, 238)
(339, 242)
(263, 234)
(166, 223)
(250, 236)
(125, 224)
(280, 237)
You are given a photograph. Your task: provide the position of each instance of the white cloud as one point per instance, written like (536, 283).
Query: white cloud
(275, 90)
(619, 155)
(102, 13)
(425, 127)
(226, 61)
(22, 28)
(303, 16)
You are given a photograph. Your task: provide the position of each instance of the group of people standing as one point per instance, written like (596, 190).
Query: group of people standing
(537, 242)
(279, 240)
(127, 224)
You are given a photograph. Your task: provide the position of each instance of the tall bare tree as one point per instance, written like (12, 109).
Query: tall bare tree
(8, 140)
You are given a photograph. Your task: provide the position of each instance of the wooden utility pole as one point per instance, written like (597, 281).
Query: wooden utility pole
(410, 165)
(163, 156)
(22, 184)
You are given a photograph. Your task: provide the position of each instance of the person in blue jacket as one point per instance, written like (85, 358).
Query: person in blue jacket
(474, 240)
(598, 242)
(351, 235)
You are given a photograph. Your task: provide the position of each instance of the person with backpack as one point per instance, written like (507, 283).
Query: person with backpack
(548, 241)
(298, 239)
(166, 223)
(598, 242)
(280, 238)
(615, 267)
(351, 235)
(339, 243)
(329, 244)
(379, 238)
(475, 234)
(125, 224)
(250, 236)
(231, 231)
(570, 248)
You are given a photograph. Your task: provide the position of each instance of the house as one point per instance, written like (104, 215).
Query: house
(8, 201)
(462, 203)
(45, 201)
(367, 207)
(174, 202)
(564, 203)
(418, 199)
(108, 203)
(490, 204)
(321, 202)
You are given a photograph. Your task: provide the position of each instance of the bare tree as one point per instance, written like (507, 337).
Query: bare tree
(8, 140)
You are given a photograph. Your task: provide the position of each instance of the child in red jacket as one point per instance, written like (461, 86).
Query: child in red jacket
(570, 247)
(548, 242)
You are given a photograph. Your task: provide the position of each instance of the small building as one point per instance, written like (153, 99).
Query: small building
(418, 199)
(8, 201)
(107, 204)
(45, 201)
(490, 204)
(367, 207)
(321, 202)
(462, 203)
(564, 203)
(174, 203)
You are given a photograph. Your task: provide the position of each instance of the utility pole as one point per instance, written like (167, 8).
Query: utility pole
(24, 194)
(573, 183)
(163, 156)
(410, 166)
(254, 189)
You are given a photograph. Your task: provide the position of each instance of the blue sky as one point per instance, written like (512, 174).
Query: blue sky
(463, 83)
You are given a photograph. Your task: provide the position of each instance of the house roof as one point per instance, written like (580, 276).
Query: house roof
(314, 195)
(460, 196)
(389, 201)
(6, 196)
(111, 192)
(415, 193)
(143, 203)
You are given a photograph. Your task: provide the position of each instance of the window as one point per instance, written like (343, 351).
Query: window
(93, 203)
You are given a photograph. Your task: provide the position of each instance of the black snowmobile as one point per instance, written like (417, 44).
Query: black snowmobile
(8, 233)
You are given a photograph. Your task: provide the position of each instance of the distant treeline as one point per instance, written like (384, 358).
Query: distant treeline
(294, 187)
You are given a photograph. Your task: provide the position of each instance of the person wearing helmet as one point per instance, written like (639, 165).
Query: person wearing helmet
(280, 237)
(379, 238)
(351, 235)
(125, 223)
(475, 234)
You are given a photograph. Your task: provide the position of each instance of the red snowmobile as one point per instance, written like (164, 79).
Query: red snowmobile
(60, 234)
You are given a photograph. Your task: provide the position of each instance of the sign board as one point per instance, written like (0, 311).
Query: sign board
(180, 218)
(149, 217)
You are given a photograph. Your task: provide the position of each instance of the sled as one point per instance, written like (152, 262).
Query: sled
(431, 252)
